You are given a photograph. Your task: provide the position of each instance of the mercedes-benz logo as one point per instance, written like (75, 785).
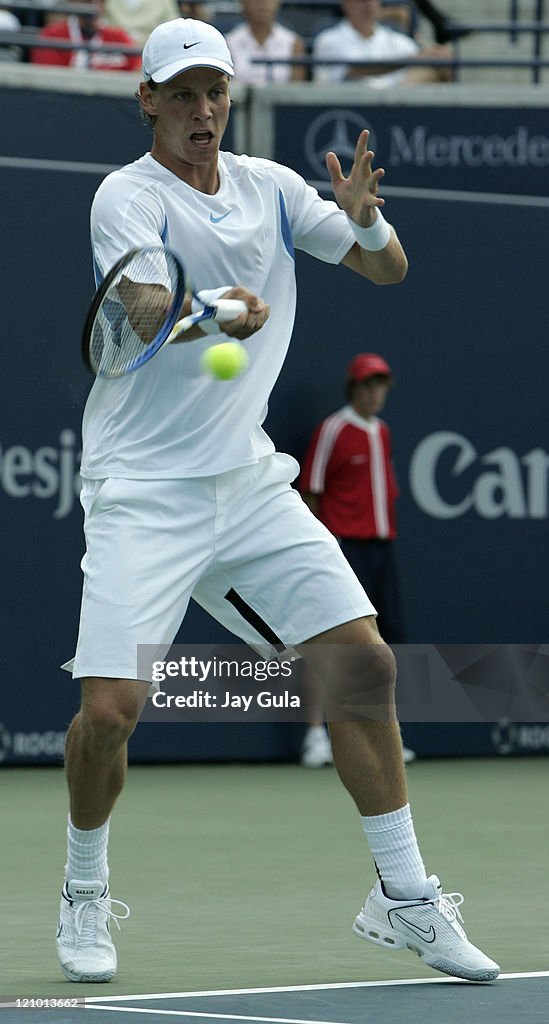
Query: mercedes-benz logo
(336, 130)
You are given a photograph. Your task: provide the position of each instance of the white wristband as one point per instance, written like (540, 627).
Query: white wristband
(205, 298)
(375, 237)
(209, 295)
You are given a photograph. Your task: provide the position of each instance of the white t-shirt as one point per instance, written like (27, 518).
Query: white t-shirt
(345, 42)
(245, 48)
(168, 418)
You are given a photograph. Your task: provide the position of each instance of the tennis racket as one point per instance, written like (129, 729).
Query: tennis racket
(134, 312)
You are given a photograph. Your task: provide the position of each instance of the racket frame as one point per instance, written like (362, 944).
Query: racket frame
(163, 334)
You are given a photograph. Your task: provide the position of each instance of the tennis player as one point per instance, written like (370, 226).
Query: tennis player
(184, 495)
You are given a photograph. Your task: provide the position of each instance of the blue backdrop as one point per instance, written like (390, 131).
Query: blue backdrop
(465, 335)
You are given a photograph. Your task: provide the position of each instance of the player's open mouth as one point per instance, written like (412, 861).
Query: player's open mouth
(201, 138)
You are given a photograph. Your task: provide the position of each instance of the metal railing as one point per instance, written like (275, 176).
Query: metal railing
(537, 38)
(30, 38)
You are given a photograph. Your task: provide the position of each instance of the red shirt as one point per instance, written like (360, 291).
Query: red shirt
(348, 464)
(95, 60)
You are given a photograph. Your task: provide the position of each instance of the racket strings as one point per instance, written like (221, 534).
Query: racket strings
(135, 313)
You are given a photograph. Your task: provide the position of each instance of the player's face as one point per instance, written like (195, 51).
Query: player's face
(369, 396)
(191, 114)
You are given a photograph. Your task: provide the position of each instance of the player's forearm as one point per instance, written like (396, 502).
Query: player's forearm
(385, 266)
(192, 333)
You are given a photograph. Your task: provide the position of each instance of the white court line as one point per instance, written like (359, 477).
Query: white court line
(399, 191)
(73, 166)
(213, 1016)
(454, 195)
(309, 988)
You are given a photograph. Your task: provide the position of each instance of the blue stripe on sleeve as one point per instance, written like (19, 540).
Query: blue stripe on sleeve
(285, 226)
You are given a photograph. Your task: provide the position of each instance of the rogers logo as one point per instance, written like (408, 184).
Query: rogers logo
(505, 484)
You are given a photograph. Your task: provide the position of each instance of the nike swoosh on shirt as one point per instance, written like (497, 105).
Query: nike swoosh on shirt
(427, 934)
(215, 220)
(187, 46)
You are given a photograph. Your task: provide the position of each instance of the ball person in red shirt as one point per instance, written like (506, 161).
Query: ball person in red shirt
(348, 481)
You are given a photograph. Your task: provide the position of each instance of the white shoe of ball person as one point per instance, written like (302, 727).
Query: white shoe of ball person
(316, 750)
(429, 927)
(84, 946)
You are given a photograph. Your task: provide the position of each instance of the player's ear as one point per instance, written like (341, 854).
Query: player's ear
(147, 98)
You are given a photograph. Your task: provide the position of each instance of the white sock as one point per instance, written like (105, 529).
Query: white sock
(87, 852)
(393, 845)
(316, 732)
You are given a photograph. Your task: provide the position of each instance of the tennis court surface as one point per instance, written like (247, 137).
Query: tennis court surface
(243, 883)
(512, 998)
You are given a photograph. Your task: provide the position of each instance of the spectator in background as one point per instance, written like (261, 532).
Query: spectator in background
(348, 482)
(195, 9)
(360, 36)
(261, 35)
(9, 23)
(90, 29)
(139, 17)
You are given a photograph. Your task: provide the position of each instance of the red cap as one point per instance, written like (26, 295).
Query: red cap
(368, 364)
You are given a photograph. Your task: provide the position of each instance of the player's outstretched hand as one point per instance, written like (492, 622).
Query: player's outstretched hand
(357, 194)
(244, 325)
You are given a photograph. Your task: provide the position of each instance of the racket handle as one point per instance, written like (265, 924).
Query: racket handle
(229, 309)
(226, 309)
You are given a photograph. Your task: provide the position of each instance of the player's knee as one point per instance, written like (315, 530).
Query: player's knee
(109, 724)
(364, 688)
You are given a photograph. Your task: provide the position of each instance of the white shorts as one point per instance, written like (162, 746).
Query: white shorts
(243, 544)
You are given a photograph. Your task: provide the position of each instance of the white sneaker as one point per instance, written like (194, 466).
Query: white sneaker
(408, 755)
(84, 945)
(317, 749)
(429, 927)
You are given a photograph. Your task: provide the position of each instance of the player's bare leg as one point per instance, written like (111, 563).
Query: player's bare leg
(96, 759)
(96, 747)
(367, 755)
(404, 908)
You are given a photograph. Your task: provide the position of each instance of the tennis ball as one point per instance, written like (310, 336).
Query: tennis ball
(226, 360)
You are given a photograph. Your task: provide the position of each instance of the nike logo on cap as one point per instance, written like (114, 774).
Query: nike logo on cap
(215, 220)
(187, 46)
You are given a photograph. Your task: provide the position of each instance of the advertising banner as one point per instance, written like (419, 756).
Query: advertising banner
(470, 149)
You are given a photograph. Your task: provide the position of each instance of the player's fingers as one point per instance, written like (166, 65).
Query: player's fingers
(375, 179)
(255, 320)
(334, 168)
(254, 302)
(243, 326)
(361, 148)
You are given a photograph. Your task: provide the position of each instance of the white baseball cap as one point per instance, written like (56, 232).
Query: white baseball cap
(184, 43)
